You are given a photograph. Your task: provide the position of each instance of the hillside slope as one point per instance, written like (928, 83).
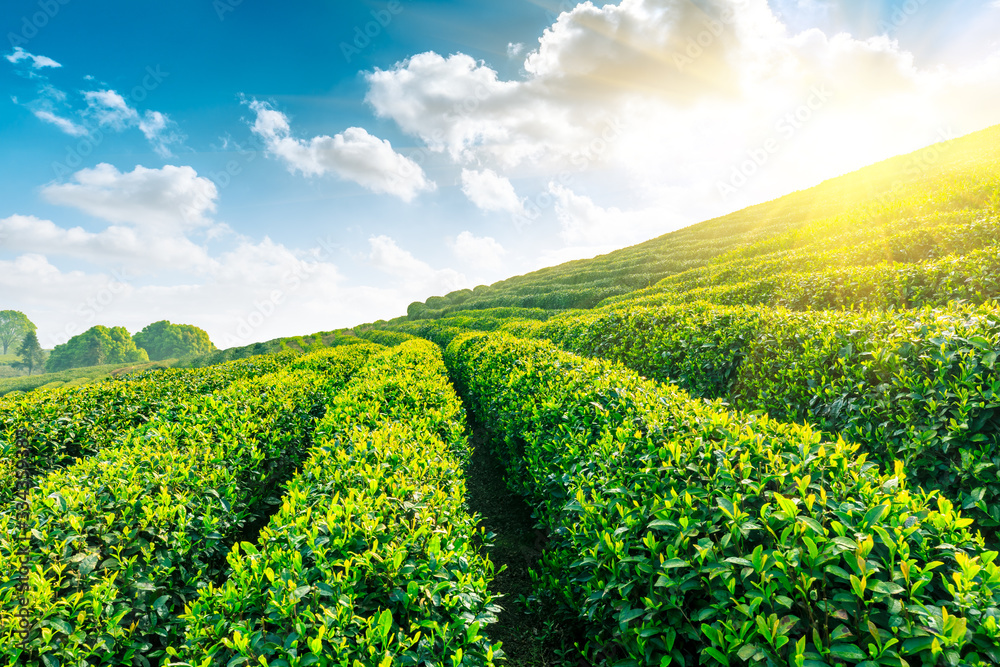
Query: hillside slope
(938, 202)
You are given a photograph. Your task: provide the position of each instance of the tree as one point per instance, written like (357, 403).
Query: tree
(31, 353)
(163, 340)
(94, 347)
(14, 326)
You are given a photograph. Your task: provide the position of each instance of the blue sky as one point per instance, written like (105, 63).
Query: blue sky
(260, 170)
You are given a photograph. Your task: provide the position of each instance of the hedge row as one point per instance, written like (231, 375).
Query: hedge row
(385, 337)
(115, 545)
(68, 424)
(921, 386)
(764, 273)
(680, 533)
(974, 277)
(372, 558)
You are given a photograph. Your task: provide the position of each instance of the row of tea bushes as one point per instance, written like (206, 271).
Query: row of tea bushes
(384, 337)
(754, 274)
(681, 533)
(974, 277)
(918, 386)
(372, 558)
(115, 545)
(62, 425)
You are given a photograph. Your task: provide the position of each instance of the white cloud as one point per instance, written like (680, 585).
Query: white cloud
(418, 276)
(152, 213)
(590, 66)
(481, 252)
(37, 62)
(117, 245)
(456, 103)
(700, 85)
(490, 191)
(256, 292)
(584, 223)
(514, 50)
(111, 110)
(64, 124)
(353, 155)
(167, 198)
(105, 109)
(251, 292)
(640, 48)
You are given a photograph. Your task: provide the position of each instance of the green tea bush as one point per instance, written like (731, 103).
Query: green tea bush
(972, 277)
(77, 422)
(918, 386)
(681, 533)
(120, 541)
(372, 558)
(387, 338)
(921, 387)
(700, 347)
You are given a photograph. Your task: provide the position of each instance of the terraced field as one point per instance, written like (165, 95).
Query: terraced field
(768, 439)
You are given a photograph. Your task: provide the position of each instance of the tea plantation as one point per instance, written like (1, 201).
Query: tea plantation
(772, 438)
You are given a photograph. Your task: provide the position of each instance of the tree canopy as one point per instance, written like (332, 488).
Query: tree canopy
(94, 347)
(31, 354)
(14, 326)
(163, 340)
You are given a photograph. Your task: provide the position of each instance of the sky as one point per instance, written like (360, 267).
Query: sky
(264, 169)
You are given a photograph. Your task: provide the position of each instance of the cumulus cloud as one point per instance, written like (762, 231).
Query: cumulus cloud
(490, 191)
(642, 48)
(418, 276)
(456, 104)
(482, 252)
(589, 67)
(255, 291)
(252, 291)
(117, 245)
(153, 214)
(585, 224)
(37, 62)
(167, 198)
(353, 155)
(36, 281)
(724, 71)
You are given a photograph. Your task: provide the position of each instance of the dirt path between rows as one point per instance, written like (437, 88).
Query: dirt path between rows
(530, 638)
